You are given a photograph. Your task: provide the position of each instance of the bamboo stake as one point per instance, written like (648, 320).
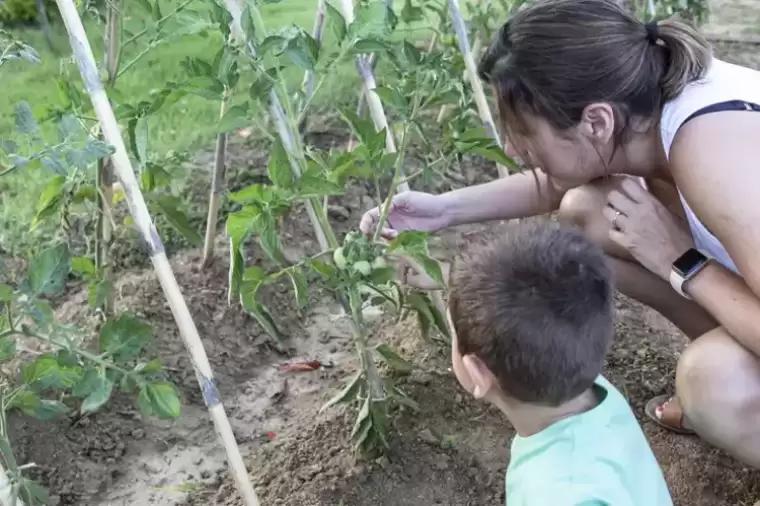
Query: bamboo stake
(105, 176)
(376, 111)
(139, 211)
(472, 74)
(308, 78)
(289, 139)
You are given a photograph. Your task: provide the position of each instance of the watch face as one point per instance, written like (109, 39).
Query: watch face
(688, 261)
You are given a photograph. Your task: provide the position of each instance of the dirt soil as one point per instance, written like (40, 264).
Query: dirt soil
(453, 453)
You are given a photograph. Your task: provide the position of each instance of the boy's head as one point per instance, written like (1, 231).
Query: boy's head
(532, 314)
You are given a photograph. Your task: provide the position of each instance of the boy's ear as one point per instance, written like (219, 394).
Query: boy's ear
(483, 380)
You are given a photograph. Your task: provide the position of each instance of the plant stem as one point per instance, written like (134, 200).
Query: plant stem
(359, 330)
(105, 177)
(397, 171)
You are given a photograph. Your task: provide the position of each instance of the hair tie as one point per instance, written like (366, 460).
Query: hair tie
(653, 31)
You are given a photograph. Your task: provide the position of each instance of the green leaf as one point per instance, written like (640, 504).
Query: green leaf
(393, 360)
(248, 291)
(7, 349)
(348, 393)
(495, 154)
(392, 97)
(316, 184)
(337, 22)
(169, 207)
(32, 492)
(367, 46)
(364, 129)
(274, 43)
(46, 372)
(6, 293)
(163, 398)
(141, 139)
(300, 286)
(261, 87)
(27, 401)
(68, 127)
(25, 122)
(54, 163)
(278, 168)
(99, 395)
(235, 118)
(300, 53)
(414, 244)
(48, 270)
(49, 410)
(411, 13)
(246, 23)
(9, 146)
(428, 314)
(96, 149)
(50, 200)
(84, 267)
(97, 292)
(88, 384)
(125, 337)
(267, 231)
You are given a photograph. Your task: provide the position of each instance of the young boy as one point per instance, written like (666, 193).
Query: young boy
(532, 315)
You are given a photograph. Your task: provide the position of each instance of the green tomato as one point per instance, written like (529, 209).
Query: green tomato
(339, 258)
(379, 263)
(363, 267)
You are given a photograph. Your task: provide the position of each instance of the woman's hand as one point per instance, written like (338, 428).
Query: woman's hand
(410, 210)
(653, 235)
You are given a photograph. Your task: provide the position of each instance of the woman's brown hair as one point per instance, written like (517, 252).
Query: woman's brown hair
(555, 57)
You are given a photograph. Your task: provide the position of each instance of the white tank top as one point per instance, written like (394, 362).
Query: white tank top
(723, 82)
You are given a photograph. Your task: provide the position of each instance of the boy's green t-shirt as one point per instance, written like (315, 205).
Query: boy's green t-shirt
(598, 458)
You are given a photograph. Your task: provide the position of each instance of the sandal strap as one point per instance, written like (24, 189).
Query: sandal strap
(671, 413)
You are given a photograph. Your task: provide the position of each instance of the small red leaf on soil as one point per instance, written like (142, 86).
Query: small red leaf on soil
(271, 435)
(308, 365)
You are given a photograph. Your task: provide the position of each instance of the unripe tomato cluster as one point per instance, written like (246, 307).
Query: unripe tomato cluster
(359, 257)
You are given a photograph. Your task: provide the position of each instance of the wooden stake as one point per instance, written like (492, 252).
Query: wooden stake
(139, 211)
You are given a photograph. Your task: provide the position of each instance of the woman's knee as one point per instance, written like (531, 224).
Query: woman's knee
(582, 207)
(718, 387)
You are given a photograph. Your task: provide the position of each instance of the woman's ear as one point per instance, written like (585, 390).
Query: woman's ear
(598, 122)
(483, 380)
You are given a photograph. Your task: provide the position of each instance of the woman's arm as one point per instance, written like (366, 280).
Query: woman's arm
(721, 182)
(519, 195)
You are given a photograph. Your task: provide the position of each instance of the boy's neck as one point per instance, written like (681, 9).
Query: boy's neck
(530, 419)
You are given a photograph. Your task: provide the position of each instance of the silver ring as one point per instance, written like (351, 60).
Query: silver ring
(614, 219)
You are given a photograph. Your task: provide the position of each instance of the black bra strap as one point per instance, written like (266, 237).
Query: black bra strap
(731, 105)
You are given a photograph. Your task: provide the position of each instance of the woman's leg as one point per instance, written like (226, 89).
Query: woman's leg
(717, 380)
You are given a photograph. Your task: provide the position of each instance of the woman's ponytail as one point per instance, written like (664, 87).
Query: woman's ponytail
(687, 56)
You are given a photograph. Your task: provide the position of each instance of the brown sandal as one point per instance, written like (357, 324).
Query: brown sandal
(665, 411)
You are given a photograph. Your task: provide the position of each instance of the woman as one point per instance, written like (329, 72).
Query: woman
(650, 145)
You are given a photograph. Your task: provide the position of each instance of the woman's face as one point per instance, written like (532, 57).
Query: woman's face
(575, 156)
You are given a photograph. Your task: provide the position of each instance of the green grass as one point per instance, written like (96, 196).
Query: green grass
(187, 126)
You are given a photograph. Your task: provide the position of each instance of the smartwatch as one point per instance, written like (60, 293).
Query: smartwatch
(686, 267)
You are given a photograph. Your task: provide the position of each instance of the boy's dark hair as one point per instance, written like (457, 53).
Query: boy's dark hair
(535, 306)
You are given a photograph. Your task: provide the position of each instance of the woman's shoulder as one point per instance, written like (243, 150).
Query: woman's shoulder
(722, 82)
